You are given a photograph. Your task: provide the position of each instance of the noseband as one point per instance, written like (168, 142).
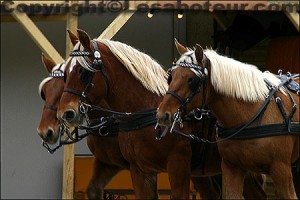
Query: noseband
(200, 78)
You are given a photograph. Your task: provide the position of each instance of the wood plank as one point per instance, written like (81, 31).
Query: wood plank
(37, 36)
(120, 21)
(68, 165)
(221, 20)
(116, 25)
(294, 18)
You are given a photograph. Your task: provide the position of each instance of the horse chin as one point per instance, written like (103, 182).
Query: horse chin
(52, 140)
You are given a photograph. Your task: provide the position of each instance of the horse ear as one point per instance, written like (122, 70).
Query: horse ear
(199, 53)
(74, 39)
(48, 63)
(180, 48)
(84, 39)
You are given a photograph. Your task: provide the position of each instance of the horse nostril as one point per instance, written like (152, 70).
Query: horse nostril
(167, 116)
(49, 134)
(69, 115)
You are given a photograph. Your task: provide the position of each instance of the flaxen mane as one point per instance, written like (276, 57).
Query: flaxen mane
(144, 68)
(234, 78)
(239, 80)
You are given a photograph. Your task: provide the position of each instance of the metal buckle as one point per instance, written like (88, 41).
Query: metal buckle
(83, 108)
(176, 119)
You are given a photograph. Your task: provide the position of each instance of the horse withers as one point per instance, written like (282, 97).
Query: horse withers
(257, 123)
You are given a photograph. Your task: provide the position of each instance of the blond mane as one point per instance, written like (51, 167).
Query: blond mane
(144, 68)
(239, 80)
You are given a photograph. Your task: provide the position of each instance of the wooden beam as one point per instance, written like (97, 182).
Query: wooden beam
(223, 21)
(116, 25)
(68, 165)
(37, 36)
(120, 20)
(294, 18)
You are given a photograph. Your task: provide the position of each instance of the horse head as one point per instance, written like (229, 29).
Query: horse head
(84, 70)
(50, 90)
(185, 78)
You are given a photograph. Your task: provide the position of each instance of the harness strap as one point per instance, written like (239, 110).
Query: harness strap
(239, 129)
(50, 107)
(261, 131)
(138, 122)
(78, 93)
(98, 62)
(181, 100)
(282, 111)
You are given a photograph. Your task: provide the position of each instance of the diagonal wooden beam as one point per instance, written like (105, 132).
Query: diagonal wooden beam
(37, 36)
(120, 20)
(294, 18)
(116, 25)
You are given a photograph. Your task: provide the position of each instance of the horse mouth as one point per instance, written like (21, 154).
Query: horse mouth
(51, 140)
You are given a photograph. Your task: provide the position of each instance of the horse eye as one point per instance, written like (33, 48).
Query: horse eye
(43, 96)
(169, 79)
(65, 76)
(190, 80)
(80, 70)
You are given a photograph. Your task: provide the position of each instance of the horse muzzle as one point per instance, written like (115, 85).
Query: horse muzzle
(164, 118)
(48, 135)
(72, 117)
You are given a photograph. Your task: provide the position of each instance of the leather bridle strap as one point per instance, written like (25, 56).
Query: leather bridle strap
(99, 63)
(77, 93)
(180, 99)
(50, 107)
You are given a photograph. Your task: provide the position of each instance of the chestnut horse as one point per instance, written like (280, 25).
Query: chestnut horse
(239, 95)
(108, 160)
(133, 84)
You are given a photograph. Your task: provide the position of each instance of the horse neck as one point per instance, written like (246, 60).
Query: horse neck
(127, 94)
(230, 112)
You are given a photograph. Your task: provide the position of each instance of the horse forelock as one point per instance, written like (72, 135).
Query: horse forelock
(61, 66)
(72, 60)
(143, 67)
(188, 57)
(238, 80)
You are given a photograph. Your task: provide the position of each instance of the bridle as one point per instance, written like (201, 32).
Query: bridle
(199, 79)
(73, 136)
(57, 73)
(89, 68)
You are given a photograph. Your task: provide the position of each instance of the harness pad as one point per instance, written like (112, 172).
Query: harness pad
(291, 85)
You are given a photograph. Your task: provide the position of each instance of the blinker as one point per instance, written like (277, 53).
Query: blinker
(97, 55)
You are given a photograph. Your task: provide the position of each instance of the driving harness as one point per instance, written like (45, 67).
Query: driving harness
(245, 131)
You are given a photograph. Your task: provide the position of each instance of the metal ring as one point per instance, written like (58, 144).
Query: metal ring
(103, 134)
(83, 108)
